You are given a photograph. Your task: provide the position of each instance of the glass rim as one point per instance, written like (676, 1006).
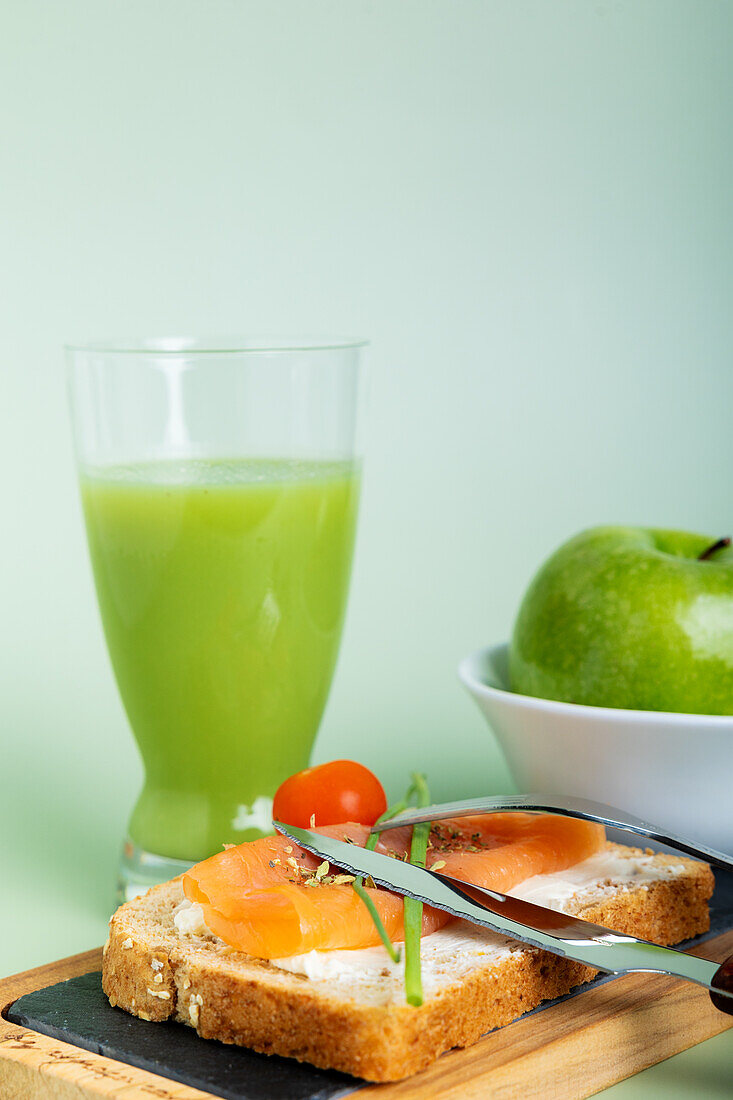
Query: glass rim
(195, 346)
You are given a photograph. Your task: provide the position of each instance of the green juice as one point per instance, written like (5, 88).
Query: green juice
(222, 587)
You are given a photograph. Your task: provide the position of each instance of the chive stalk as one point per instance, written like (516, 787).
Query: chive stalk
(412, 908)
(358, 884)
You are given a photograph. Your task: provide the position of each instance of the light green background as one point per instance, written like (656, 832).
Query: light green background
(525, 206)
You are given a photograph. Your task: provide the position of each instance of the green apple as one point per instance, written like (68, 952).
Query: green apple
(630, 617)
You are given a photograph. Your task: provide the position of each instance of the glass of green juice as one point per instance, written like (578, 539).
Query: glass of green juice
(220, 487)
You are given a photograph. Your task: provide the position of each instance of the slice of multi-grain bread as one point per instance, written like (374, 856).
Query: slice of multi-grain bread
(353, 1017)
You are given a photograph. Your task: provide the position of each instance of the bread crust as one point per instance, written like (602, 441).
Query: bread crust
(155, 973)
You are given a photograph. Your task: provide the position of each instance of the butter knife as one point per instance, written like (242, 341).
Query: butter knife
(547, 929)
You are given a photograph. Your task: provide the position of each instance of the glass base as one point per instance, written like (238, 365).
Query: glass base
(139, 870)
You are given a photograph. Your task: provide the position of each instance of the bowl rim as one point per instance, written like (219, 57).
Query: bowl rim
(469, 676)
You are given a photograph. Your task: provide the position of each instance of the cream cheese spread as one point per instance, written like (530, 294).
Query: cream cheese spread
(594, 879)
(445, 956)
(188, 917)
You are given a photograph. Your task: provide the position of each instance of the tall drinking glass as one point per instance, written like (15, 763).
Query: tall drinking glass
(220, 484)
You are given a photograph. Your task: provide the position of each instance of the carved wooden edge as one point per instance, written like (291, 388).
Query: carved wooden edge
(33, 1065)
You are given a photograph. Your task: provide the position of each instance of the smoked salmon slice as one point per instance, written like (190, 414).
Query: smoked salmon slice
(270, 899)
(264, 897)
(501, 850)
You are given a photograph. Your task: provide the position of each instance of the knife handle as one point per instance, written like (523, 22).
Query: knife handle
(723, 979)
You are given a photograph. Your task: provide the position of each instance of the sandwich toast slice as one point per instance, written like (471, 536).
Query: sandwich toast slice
(345, 1009)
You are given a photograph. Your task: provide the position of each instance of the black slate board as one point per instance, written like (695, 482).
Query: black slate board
(77, 1012)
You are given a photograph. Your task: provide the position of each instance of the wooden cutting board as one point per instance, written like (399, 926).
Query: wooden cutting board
(571, 1049)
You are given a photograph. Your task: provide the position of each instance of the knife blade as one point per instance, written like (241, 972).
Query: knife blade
(565, 807)
(548, 929)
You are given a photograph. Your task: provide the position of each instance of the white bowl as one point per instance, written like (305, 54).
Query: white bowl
(671, 769)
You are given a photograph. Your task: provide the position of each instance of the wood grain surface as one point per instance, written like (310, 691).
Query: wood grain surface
(570, 1050)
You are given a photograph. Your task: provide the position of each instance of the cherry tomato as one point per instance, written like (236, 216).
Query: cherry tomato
(340, 791)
